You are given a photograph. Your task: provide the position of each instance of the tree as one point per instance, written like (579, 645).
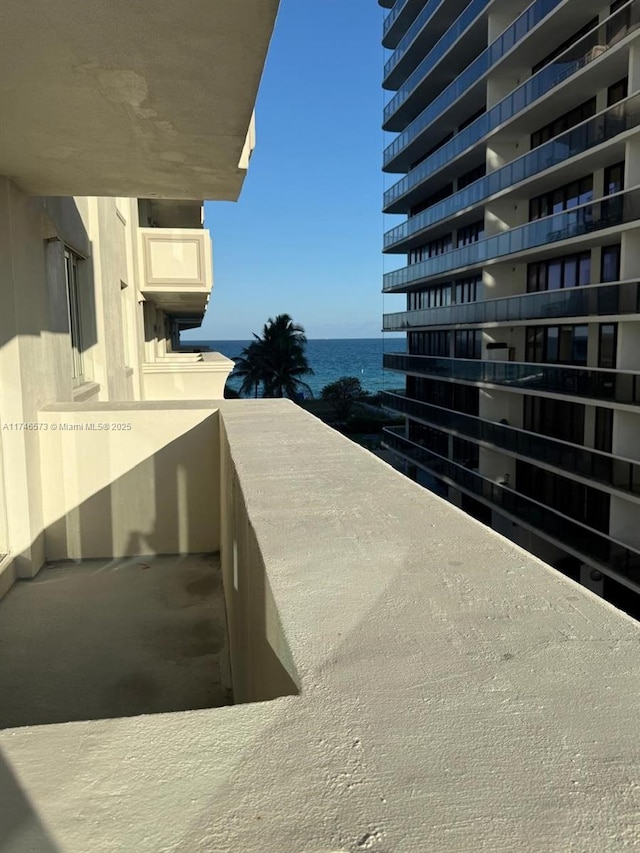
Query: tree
(342, 394)
(249, 367)
(276, 360)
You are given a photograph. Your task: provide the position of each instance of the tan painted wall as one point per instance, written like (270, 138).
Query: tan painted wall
(149, 484)
(35, 347)
(169, 379)
(261, 662)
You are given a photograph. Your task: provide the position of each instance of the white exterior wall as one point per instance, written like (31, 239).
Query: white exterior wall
(36, 367)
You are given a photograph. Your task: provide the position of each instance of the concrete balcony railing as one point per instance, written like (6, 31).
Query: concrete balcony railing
(385, 649)
(182, 376)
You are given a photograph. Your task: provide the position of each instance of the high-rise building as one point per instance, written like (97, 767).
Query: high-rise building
(516, 161)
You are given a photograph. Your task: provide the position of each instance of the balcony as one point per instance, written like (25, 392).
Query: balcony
(467, 32)
(398, 19)
(614, 386)
(622, 475)
(614, 210)
(608, 125)
(579, 57)
(595, 549)
(420, 37)
(375, 658)
(116, 104)
(177, 268)
(595, 300)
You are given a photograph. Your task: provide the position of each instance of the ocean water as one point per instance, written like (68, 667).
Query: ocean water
(331, 359)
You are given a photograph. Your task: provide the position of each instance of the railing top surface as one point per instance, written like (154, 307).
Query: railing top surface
(429, 650)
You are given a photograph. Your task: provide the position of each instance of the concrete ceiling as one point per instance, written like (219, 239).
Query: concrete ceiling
(130, 97)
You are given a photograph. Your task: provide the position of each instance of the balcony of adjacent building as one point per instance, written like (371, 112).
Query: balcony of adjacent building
(615, 300)
(359, 614)
(604, 385)
(602, 552)
(615, 474)
(585, 225)
(522, 38)
(556, 88)
(176, 275)
(402, 13)
(442, 49)
(587, 147)
(91, 111)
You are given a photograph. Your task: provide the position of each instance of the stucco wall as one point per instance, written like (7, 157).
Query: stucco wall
(35, 348)
(149, 484)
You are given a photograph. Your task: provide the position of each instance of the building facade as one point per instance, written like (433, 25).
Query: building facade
(515, 159)
(106, 156)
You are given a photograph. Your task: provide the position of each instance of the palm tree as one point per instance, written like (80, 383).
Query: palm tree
(276, 360)
(250, 369)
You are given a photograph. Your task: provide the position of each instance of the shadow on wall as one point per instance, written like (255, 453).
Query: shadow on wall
(20, 826)
(167, 503)
(262, 663)
(35, 290)
(114, 617)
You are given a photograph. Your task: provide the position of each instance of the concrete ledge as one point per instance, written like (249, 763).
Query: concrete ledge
(178, 379)
(455, 693)
(8, 574)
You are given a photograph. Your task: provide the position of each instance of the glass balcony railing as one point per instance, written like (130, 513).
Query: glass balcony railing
(473, 72)
(405, 42)
(593, 300)
(391, 18)
(584, 51)
(610, 211)
(596, 547)
(620, 474)
(595, 131)
(450, 37)
(617, 386)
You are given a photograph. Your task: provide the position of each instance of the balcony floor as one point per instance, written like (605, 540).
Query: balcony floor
(113, 638)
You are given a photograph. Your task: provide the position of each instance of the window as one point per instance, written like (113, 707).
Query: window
(557, 273)
(472, 175)
(563, 198)
(431, 150)
(569, 497)
(603, 439)
(608, 345)
(566, 44)
(434, 439)
(465, 453)
(563, 122)
(468, 343)
(618, 27)
(434, 297)
(430, 343)
(614, 179)
(470, 119)
(466, 290)
(434, 198)
(555, 418)
(470, 233)
(557, 344)
(447, 395)
(618, 91)
(610, 263)
(431, 250)
(74, 306)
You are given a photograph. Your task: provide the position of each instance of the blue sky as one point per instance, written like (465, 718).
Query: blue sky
(305, 236)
